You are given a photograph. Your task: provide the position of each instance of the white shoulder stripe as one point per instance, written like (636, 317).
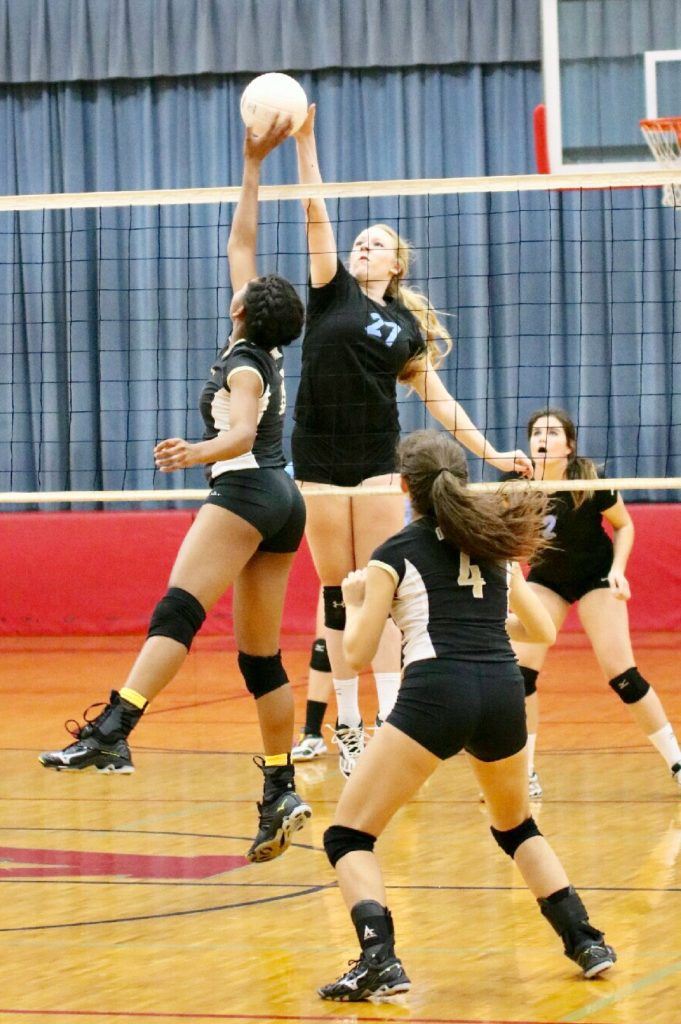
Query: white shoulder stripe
(387, 568)
(247, 369)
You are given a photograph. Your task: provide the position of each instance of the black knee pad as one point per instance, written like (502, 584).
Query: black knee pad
(630, 686)
(530, 679)
(178, 615)
(334, 608)
(510, 841)
(262, 675)
(319, 658)
(339, 840)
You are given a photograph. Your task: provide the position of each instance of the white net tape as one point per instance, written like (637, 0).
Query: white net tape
(663, 136)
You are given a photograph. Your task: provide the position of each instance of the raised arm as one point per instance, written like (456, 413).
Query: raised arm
(242, 244)
(424, 379)
(321, 241)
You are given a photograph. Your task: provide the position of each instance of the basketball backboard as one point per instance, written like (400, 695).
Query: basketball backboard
(607, 64)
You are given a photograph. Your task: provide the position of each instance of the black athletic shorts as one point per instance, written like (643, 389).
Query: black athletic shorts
(448, 706)
(347, 462)
(572, 590)
(267, 499)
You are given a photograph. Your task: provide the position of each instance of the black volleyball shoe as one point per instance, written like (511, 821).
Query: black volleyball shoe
(582, 943)
(90, 753)
(594, 957)
(282, 813)
(100, 743)
(372, 977)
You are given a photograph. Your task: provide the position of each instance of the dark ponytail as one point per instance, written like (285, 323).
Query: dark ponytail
(500, 526)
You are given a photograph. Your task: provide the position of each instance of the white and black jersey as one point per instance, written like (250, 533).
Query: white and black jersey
(445, 605)
(246, 357)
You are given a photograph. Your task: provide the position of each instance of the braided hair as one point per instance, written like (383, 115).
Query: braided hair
(274, 312)
(498, 526)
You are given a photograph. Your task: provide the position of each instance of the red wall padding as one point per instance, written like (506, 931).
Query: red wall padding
(97, 573)
(94, 573)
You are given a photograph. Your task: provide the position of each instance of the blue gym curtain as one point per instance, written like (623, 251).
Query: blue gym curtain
(110, 320)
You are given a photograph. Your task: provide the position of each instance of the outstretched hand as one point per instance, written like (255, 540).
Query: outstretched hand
(256, 147)
(307, 127)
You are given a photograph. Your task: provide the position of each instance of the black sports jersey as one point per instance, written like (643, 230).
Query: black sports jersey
(353, 351)
(580, 547)
(246, 357)
(444, 605)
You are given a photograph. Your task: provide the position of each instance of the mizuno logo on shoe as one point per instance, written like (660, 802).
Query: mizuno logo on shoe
(282, 806)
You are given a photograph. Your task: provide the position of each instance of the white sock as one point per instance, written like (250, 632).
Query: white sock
(668, 745)
(347, 700)
(387, 688)
(531, 744)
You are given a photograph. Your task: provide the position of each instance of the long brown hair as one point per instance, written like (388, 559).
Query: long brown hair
(578, 467)
(487, 526)
(435, 334)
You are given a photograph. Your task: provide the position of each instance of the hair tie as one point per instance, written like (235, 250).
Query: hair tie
(443, 469)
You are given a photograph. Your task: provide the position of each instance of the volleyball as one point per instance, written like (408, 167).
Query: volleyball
(271, 94)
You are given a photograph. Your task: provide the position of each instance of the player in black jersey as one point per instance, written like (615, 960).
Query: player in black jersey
(245, 534)
(445, 581)
(583, 565)
(365, 332)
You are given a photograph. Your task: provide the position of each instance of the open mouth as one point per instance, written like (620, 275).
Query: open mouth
(541, 450)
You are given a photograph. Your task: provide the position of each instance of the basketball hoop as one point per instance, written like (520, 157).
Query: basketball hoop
(663, 135)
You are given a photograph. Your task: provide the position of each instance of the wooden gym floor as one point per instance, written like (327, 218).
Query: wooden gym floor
(128, 899)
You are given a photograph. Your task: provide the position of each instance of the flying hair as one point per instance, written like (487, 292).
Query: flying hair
(501, 526)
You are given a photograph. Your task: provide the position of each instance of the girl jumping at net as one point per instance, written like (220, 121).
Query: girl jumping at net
(365, 332)
(582, 565)
(245, 534)
(446, 581)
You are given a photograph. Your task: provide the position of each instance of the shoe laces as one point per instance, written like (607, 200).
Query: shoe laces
(354, 966)
(351, 738)
(75, 728)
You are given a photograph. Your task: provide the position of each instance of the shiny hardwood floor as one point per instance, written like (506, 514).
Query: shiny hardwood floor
(129, 899)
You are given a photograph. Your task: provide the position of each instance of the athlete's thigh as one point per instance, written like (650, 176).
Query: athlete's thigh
(213, 553)
(504, 786)
(259, 594)
(389, 772)
(375, 517)
(329, 535)
(534, 655)
(606, 623)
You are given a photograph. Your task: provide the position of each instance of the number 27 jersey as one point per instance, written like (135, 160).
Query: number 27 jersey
(445, 605)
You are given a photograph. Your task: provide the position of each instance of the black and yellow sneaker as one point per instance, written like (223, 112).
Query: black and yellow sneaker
(369, 978)
(100, 743)
(90, 753)
(282, 813)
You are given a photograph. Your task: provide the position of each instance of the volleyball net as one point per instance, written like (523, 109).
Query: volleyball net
(558, 290)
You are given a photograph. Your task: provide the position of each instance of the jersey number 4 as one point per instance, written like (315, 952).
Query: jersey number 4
(470, 575)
